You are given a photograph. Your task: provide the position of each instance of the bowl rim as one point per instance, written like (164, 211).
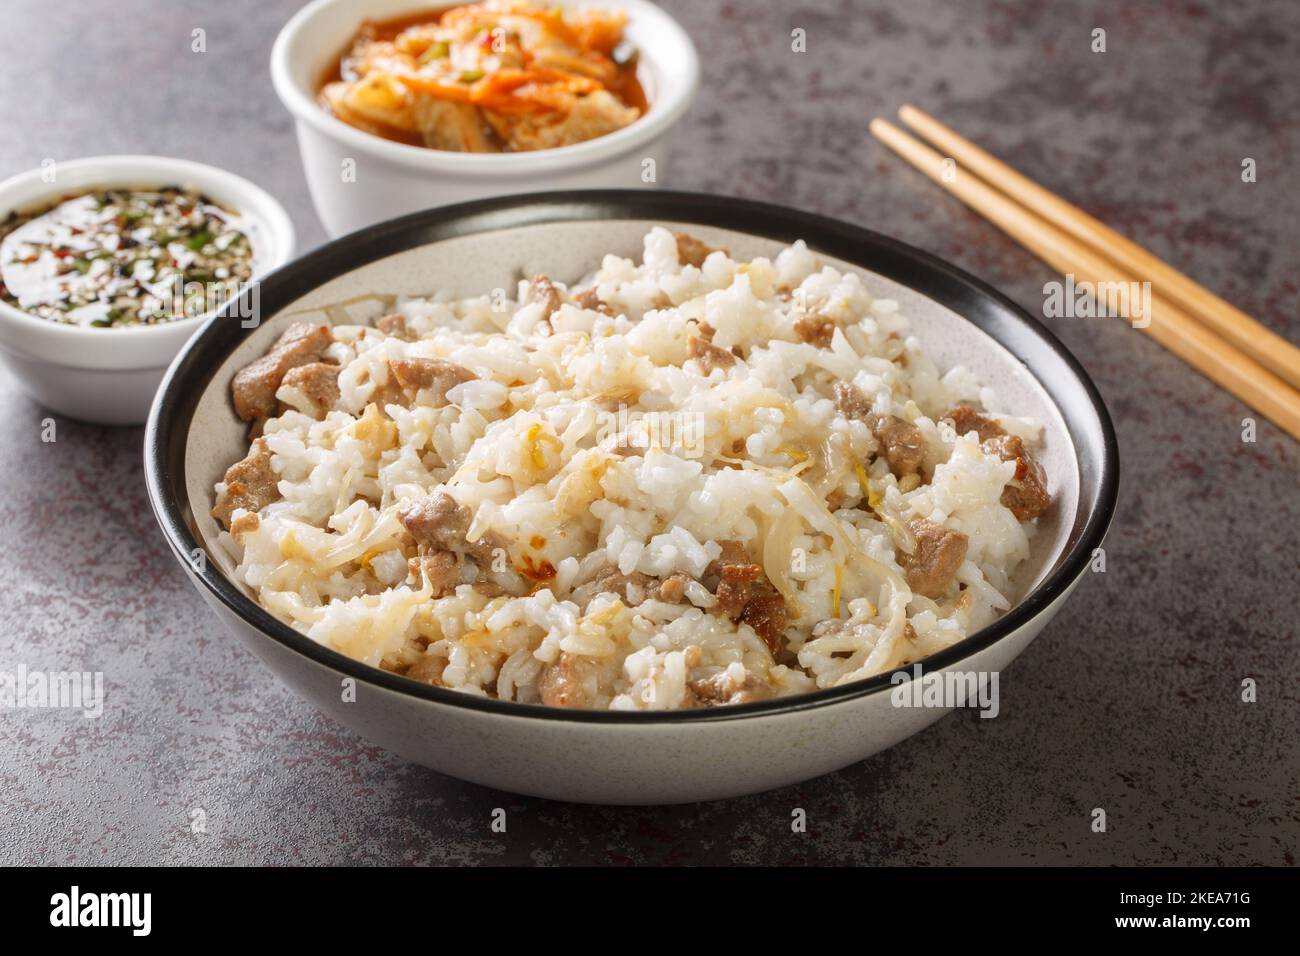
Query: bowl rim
(255, 202)
(657, 120)
(193, 371)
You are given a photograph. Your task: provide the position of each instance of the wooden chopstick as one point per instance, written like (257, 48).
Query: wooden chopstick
(1262, 344)
(1170, 326)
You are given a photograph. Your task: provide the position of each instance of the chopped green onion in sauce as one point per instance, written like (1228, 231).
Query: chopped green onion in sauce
(117, 257)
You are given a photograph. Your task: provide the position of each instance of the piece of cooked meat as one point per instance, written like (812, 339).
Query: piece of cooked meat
(939, 553)
(632, 589)
(427, 670)
(722, 689)
(319, 384)
(708, 355)
(416, 374)
(245, 523)
(765, 612)
(438, 522)
(745, 594)
(250, 484)
(440, 568)
(673, 588)
(589, 299)
(850, 401)
(901, 442)
(815, 329)
(395, 325)
(608, 579)
(255, 385)
(390, 393)
(691, 251)
(965, 419)
(542, 290)
(1026, 494)
(489, 589)
(733, 552)
(572, 681)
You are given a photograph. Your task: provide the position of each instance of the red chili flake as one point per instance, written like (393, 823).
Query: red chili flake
(537, 572)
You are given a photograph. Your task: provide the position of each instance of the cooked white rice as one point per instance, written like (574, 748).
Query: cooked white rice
(756, 453)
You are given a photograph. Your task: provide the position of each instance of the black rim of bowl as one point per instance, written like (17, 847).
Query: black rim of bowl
(1056, 370)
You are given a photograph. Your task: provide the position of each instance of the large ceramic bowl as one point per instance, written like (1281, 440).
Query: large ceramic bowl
(357, 178)
(607, 757)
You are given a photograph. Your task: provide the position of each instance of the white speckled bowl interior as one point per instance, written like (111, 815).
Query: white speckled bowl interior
(194, 435)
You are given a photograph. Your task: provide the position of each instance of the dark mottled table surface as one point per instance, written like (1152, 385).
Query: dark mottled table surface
(1129, 701)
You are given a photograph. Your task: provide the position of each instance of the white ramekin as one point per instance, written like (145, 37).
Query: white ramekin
(109, 375)
(357, 178)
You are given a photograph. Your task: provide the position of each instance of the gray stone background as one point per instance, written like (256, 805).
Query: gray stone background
(1129, 700)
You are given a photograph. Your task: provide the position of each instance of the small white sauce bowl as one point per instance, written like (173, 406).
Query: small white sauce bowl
(109, 375)
(357, 178)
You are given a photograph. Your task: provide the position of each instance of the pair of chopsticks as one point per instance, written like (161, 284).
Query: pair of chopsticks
(1220, 341)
